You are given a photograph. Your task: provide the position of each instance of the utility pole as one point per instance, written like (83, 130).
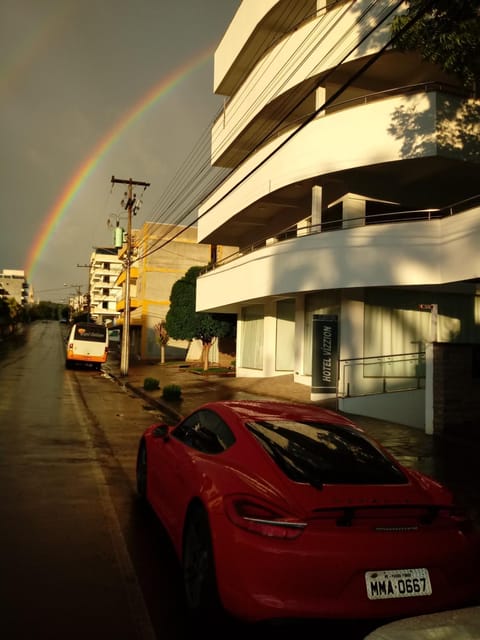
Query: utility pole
(89, 301)
(129, 204)
(78, 298)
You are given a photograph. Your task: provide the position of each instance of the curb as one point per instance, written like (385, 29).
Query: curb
(158, 404)
(171, 413)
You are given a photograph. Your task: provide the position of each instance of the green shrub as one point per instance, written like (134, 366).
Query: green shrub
(172, 392)
(151, 384)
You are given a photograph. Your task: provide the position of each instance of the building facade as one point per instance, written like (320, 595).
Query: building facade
(13, 284)
(105, 268)
(352, 198)
(154, 270)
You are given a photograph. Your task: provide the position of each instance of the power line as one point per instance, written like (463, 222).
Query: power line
(321, 80)
(211, 186)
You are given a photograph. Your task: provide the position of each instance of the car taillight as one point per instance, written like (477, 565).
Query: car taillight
(261, 518)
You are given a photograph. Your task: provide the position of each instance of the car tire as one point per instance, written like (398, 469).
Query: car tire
(141, 472)
(199, 579)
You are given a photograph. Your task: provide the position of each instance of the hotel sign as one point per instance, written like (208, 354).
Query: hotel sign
(325, 354)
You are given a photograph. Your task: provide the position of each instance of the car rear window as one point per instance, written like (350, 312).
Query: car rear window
(93, 333)
(319, 453)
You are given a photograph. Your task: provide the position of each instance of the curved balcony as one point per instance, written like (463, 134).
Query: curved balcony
(408, 147)
(414, 252)
(250, 35)
(278, 83)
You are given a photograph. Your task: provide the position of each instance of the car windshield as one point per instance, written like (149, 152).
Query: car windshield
(319, 453)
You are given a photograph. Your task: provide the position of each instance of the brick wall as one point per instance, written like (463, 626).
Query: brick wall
(456, 389)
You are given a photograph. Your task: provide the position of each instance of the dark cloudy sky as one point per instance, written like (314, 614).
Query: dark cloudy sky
(71, 71)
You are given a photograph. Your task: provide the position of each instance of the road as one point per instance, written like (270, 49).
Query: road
(79, 557)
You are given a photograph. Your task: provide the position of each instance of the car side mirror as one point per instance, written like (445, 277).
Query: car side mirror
(161, 431)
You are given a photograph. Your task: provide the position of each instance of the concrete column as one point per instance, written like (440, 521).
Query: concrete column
(320, 97)
(353, 211)
(429, 408)
(317, 198)
(299, 338)
(351, 339)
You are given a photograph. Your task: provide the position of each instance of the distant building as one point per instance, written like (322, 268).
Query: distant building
(153, 272)
(14, 285)
(105, 267)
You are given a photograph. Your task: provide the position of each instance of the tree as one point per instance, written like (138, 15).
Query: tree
(446, 33)
(162, 338)
(183, 322)
(12, 314)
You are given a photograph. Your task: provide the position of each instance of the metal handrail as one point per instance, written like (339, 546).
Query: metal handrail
(417, 357)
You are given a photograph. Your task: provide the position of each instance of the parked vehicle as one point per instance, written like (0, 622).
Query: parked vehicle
(278, 510)
(87, 344)
(114, 335)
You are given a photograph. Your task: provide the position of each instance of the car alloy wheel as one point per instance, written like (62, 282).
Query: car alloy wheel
(198, 566)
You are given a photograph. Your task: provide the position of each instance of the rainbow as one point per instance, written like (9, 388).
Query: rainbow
(54, 217)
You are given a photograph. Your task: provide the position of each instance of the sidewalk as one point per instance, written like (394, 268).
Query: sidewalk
(453, 462)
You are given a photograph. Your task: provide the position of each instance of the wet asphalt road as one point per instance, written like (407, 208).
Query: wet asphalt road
(64, 568)
(78, 557)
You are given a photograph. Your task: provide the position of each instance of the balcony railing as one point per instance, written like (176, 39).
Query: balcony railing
(381, 374)
(375, 96)
(289, 126)
(297, 231)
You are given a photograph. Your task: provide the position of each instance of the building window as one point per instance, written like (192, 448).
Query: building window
(252, 337)
(395, 324)
(285, 342)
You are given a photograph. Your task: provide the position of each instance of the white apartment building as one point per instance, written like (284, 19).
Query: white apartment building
(351, 199)
(13, 284)
(105, 267)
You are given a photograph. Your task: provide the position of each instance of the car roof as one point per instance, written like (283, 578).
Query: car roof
(262, 409)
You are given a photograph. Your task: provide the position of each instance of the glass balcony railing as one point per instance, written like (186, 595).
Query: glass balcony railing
(381, 374)
(300, 230)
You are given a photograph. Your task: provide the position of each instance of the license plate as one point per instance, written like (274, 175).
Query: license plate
(400, 583)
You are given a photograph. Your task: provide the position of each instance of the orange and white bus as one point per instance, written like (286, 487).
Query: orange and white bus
(87, 344)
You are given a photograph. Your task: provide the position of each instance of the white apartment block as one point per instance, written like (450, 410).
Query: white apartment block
(105, 267)
(13, 284)
(351, 199)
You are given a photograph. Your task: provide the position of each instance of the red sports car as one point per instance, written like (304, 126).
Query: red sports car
(279, 510)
